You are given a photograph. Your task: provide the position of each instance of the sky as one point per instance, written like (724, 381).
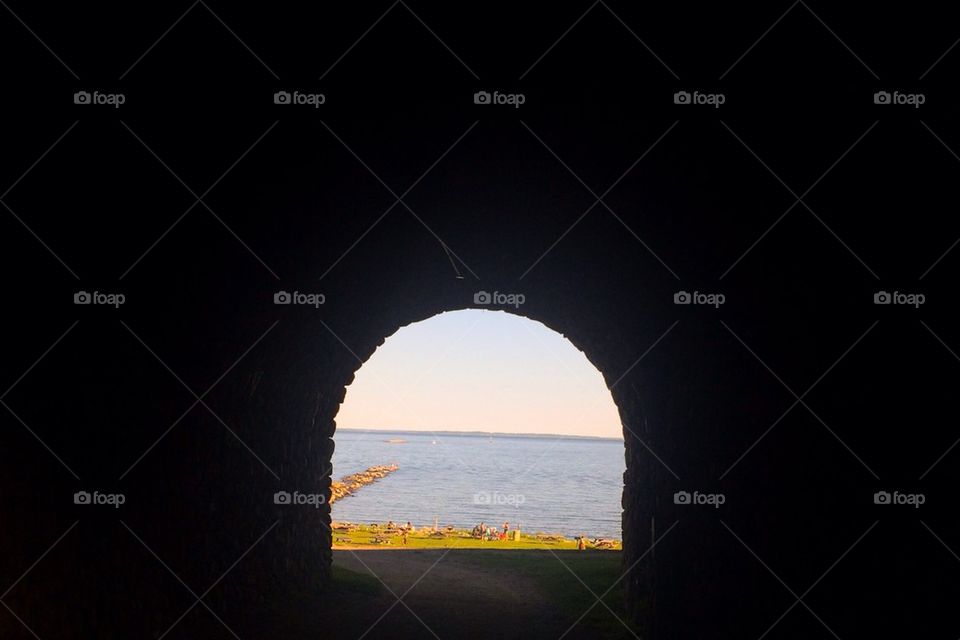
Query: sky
(477, 370)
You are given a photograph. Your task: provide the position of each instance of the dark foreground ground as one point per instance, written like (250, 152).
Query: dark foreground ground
(461, 593)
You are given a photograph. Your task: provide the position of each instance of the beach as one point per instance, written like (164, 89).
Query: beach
(353, 536)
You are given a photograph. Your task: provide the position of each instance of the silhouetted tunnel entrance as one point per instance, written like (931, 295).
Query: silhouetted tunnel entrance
(372, 562)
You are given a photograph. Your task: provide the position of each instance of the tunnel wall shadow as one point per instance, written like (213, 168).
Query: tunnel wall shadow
(208, 398)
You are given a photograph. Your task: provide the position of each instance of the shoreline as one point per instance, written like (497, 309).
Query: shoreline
(464, 528)
(389, 535)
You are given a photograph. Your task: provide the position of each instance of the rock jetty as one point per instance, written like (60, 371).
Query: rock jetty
(348, 484)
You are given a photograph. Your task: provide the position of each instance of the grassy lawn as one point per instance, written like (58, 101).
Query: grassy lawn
(563, 582)
(366, 536)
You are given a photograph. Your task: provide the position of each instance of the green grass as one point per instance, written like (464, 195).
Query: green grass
(364, 536)
(566, 576)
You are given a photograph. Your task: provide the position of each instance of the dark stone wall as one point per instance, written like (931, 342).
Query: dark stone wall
(200, 398)
(692, 397)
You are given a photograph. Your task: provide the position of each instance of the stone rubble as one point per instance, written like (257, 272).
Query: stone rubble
(348, 484)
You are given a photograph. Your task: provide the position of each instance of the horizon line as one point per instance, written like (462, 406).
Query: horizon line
(478, 432)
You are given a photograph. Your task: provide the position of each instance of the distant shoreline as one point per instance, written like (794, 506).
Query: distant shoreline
(481, 434)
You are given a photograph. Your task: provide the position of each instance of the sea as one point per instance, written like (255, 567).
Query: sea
(552, 484)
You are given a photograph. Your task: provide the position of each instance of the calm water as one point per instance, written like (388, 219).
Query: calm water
(542, 483)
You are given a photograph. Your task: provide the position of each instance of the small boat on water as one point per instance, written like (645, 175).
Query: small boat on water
(396, 441)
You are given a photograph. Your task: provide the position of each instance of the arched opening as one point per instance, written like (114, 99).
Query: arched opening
(480, 453)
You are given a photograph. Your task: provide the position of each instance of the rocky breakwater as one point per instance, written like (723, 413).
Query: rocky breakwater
(348, 484)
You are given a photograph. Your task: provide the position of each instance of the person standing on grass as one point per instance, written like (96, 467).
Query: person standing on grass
(506, 528)
(580, 545)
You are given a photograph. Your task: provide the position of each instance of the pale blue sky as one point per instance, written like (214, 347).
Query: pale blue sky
(476, 370)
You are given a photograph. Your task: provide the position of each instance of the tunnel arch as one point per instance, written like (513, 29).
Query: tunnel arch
(330, 354)
(500, 202)
(476, 370)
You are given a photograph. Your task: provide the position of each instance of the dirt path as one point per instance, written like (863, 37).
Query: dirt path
(463, 594)
(441, 581)
(454, 594)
